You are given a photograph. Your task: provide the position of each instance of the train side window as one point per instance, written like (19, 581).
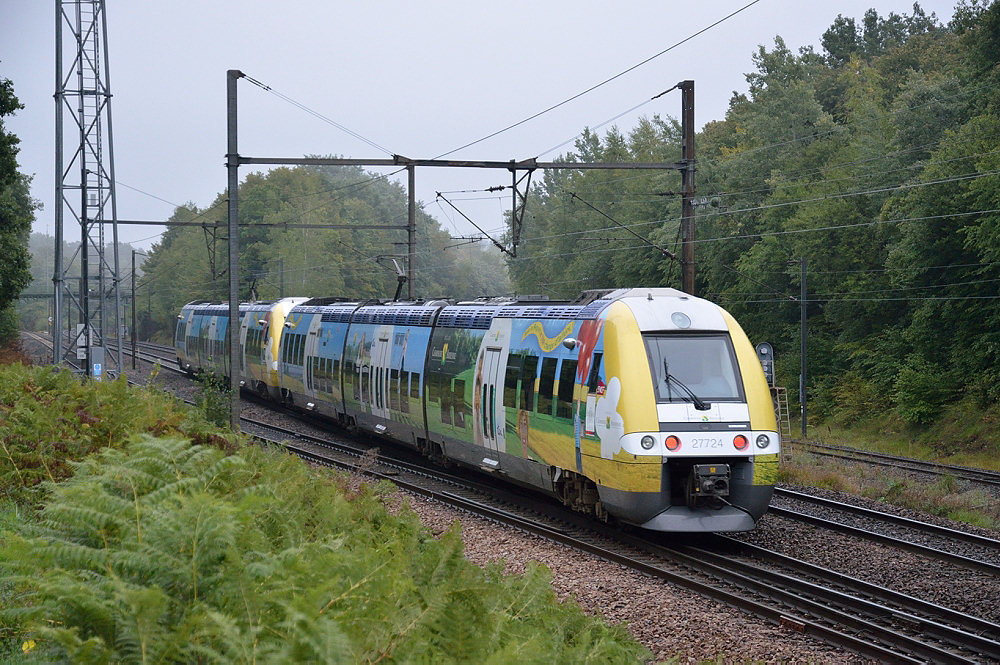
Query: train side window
(545, 384)
(336, 369)
(567, 377)
(595, 373)
(458, 403)
(528, 383)
(364, 386)
(394, 389)
(446, 399)
(514, 361)
(404, 391)
(415, 385)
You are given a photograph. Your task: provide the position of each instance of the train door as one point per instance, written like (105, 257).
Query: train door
(244, 327)
(381, 355)
(311, 352)
(491, 410)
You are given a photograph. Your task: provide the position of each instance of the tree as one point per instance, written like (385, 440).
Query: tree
(16, 214)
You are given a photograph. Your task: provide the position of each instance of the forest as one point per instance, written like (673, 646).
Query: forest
(869, 163)
(874, 160)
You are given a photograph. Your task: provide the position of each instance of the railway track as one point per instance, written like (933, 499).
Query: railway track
(980, 476)
(960, 548)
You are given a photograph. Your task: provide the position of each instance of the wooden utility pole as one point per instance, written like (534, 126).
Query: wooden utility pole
(687, 192)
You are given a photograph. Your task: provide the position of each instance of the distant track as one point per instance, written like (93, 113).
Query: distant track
(980, 476)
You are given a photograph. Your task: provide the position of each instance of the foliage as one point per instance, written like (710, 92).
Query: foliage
(50, 419)
(874, 161)
(16, 213)
(921, 390)
(213, 398)
(274, 260)
(169, 552)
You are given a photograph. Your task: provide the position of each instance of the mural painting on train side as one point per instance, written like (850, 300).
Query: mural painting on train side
(535, 397)
(385, 365)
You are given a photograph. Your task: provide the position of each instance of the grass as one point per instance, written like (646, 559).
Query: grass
(943, 496)
(963, 436)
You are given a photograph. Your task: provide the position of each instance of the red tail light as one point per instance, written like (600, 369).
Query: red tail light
(740, 442)
(673, 443)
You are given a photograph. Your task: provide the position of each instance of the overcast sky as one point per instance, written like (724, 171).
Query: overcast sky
(417, 79)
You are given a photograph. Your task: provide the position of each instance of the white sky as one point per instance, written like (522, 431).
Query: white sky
(419, 78)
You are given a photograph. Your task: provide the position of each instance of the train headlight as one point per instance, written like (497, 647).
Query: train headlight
(672, 442)
(681, 320)
(740, 442)
(647, 442)
(763, 441)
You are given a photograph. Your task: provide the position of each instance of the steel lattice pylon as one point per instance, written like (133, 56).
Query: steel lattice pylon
(85, 191)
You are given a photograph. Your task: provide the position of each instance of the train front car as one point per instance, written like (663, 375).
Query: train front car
(686, 430)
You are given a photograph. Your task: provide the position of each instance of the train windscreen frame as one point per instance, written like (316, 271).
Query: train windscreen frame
(704, 364)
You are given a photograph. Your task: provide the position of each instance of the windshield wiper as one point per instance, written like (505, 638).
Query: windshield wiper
(669, 378)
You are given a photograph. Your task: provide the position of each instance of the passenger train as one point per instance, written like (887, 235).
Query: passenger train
(645, 405)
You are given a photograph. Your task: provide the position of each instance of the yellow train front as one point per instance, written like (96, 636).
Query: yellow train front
(646, 405)
(678, 427)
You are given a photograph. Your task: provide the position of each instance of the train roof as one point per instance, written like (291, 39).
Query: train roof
(474, 313)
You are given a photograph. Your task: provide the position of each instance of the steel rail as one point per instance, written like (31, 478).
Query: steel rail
(971, 474)
(954, 534)
(975, 626)
(956, 559)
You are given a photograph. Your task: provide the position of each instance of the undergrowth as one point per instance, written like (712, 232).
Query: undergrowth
(171, 552)
(965, 433)
(51, 418)
(134, 530)
(944, 497)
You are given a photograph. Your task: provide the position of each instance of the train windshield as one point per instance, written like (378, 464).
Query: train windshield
(688, 368)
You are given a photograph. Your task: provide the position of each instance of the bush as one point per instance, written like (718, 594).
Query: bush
(920, 391)
(857, 400)
(9, 326)
(50, 419)
(213, 398)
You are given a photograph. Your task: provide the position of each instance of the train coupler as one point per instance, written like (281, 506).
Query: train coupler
(708, 481)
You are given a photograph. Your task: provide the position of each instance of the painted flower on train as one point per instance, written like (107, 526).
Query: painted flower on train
(609, 423)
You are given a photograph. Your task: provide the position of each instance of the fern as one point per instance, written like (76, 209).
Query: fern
(169, 552)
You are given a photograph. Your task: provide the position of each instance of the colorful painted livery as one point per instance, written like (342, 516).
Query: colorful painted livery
(645, 405)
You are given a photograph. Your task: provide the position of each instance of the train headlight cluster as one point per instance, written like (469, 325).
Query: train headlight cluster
(647, 442)
(763, 441)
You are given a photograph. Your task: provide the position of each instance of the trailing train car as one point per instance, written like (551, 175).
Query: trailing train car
(646, 405)
(261, 326)
(200, 338)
